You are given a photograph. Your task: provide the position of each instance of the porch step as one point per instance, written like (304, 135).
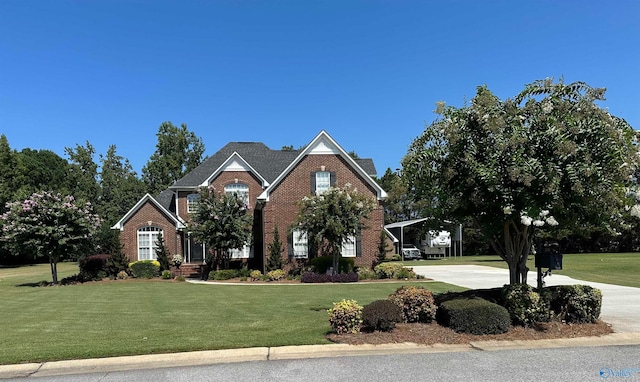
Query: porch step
(190, 271)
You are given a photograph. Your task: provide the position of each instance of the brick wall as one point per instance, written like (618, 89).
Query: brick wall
(281, 209)
(149, 213)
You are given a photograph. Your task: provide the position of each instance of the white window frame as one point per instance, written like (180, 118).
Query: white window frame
(149, 243)
(192, 203)
(323, 181)
(240, 253)
(239, 189)
(300, 245)
(349, 247)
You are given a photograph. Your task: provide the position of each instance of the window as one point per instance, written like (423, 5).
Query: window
(239, 189)
(300, 245)
(192, 203)
(148, 242)
(349, 247)
(240, 253)
(323, 182)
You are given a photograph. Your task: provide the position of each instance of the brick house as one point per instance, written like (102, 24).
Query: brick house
(272, 182)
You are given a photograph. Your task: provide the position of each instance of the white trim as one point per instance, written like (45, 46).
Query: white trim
(180, 224)
(324, 144)
(235, 162)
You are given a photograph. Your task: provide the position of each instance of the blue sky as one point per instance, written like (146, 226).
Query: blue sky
(367, 72)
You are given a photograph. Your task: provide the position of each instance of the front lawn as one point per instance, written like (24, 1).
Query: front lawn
(159, 316)
(610, 268)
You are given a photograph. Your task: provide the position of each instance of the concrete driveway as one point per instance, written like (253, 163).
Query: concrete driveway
(620, 305)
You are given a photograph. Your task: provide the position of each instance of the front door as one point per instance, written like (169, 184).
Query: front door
(196, 252)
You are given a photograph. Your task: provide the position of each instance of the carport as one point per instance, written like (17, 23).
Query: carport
(398, 231)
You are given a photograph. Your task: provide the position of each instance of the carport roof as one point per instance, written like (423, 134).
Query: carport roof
(405, 223)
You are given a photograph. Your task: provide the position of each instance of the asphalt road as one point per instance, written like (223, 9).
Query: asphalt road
(608, 363)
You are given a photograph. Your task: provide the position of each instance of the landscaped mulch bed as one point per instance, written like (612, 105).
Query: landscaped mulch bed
(429, 334)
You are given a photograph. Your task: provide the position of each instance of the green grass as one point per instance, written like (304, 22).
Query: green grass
(610, 268)
(159, 316)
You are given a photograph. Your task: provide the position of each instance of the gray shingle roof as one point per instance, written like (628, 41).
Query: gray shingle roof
(267, 162)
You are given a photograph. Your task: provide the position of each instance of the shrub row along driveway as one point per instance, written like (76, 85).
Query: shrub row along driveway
(620, 304)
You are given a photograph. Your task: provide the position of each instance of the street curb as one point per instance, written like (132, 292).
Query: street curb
(211, 357)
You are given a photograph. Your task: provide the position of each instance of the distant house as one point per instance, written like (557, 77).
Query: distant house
(272, 181)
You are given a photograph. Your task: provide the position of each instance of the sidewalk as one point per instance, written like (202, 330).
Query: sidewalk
(620, 304)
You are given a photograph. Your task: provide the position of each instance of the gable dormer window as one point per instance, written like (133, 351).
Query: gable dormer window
(321, 181)
(192, 203)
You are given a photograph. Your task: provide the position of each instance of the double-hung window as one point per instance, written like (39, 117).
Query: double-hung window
(300, 245)
(349, 247)
(323, 181)
(148, 242)
(192, 203)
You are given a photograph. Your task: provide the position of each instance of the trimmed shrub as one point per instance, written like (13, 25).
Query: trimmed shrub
(166, 275)
(180, 278)
(94, 268)
(574, 303)
(243, 272)
(345, 317)
(381, 315)
(388, 270)
(323, 263)
(417, 303)
(492, 295)
(367, 274)
(223, 274)
(396, 257)
(406, 274)
(145, 269)
(524, 304)
(255, 275)
(276, 274)
(313, 277)
(122, 275)
(474, 316)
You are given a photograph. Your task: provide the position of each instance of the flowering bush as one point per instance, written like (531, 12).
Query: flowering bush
(575, 303)
(176, 260)
(345, 317)
(313, 277)
(417, 303)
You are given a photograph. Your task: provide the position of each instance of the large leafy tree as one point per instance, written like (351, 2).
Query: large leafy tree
(120, 188)
(399, 205)
(50, 225)
(82, 172)
(178, 151)
(548, 156)
(222, 222)
(8, 163)
(332, 217)
(40, 170)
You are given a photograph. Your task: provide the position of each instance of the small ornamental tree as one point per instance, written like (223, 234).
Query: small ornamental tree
(162, 254)
(222, 222)
(548, 156)
(332, 217)
(383, 248)
(274, 261)
(49, 224)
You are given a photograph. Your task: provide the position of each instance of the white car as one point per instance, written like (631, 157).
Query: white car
(410, 252)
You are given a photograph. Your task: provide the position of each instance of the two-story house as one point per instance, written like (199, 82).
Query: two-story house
(272, 182)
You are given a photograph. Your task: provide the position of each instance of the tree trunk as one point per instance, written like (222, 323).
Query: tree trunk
(54, 269)
(514, 248)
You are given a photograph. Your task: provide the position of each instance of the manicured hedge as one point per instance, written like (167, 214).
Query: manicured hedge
(145, 269)
(313, 277)
(323, 263)
(474, 316)
(93, 268)
(417, 303)
(381, 315)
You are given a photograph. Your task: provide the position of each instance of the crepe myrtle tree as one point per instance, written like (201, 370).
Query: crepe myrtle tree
(548, 156)
(50, 225)
(332, 217)
(222, 222)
